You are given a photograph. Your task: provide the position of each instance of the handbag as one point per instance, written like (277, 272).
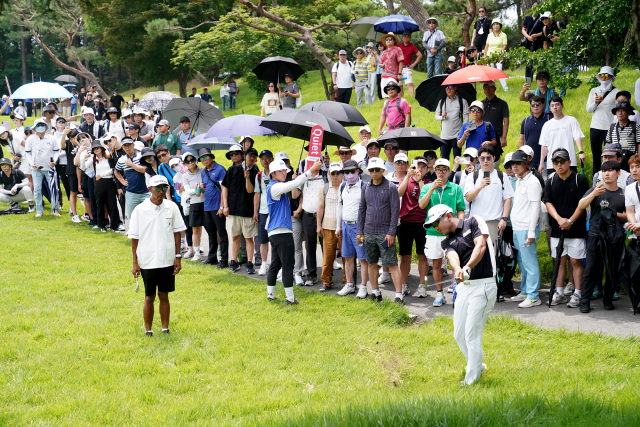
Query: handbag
(524, 42)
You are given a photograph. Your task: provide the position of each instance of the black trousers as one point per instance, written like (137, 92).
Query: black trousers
(451, 144)
(62, 177)
(593, 272)
(189, 231)
(379, 80)
(282, 257)
(597, 137)
(344, 95)
(310, 227)
(507, 284)
(105, 192)
(215, 226)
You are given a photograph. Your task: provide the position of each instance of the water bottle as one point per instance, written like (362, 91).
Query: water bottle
(455, 292)
(526, 245)
(544, 174)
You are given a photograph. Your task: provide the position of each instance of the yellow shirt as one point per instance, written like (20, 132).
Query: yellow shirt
(495, 43)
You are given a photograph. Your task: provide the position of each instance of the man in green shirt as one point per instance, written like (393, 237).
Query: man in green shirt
(167, 138)
(440, 192)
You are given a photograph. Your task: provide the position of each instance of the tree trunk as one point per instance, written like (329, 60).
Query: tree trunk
(161, 87)
(417, 11)
(131, 80)
(23, 51)
(183, 81)
(607, 53)
(202, 79)
(101, 75)
(390, 7)
(324, 83)
(466, 24)
(635, 17)
(519, 12)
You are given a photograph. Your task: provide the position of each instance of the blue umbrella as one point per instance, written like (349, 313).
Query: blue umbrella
(240, 125)
(53, 189)
(69, 86)
(156, 101)
(212, 143)
(41, 90)
(395, 24)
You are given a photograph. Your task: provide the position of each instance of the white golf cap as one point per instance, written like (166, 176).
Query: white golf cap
(138, 145)
(87, 110)
(401, 157)
(278, 165)
(126, 112)
(17, 116)
(281, 155)
(335, 166)
(365, 127)
(174, 161)
(442, 162)
(158, 180)
(107, 136)
(547, 14)
(472, 152)
(478, 104)
(435, 213)
(507, 159)
(40, 122)
(527, 150)
(163, 123)
(451, 59)
(376, 162)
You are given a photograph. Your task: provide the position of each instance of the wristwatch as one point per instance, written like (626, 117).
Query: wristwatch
(581, 152)
(570, 222)
(505, 219)
(178, 255)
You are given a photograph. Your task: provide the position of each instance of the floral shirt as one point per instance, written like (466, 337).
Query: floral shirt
(389, 60)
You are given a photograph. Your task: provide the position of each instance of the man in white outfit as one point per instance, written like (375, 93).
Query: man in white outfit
(471, 259)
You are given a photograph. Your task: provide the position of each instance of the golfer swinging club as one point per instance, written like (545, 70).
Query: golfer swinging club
(465, 246)
(154, 230)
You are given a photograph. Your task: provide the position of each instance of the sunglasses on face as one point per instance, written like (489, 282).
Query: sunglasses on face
(161, 155)
(559, 161)
(389, 148)
(429, 158)
(375, 170)
(605, 76)
(450, 87)
(161, 188)
(400, 162)
(475, 110)
(49, 112)
(344, 153)
(516, 163)
(271, 86)
(389, 39)
(536, 104)
(350, 172)
(486, 159)
(235, 154)
(187, 162)
(334, 173)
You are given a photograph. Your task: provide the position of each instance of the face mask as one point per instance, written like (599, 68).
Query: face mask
(352, 178)
(41, 129)
(605, 85)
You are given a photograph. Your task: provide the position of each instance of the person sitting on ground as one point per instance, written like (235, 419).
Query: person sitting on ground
(15, 186)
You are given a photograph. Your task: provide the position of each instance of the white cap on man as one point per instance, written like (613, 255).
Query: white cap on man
(376, 162)
(281, 155)
(365, 128)
(527, 150)
(471, 152)
(401, 157)
(158, 180)
(442, 162)
(335, 166)
(435, 213)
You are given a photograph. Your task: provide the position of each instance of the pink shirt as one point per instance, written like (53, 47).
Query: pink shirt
(389, 60)
(394, 118)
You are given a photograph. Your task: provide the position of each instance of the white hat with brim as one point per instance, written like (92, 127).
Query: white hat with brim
(433, 19)
(278, 165)
(158, 180)
(337, 152)
(376, 162)
(435, 213)
(358, 49)
(17, 116)
(3, 130)
(232, 149)
(607, 70)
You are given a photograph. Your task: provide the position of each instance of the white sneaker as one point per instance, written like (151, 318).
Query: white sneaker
(574, 302)
(527, 303)
(263, 269)
(188, 254)
(519, 298)
(384, 277)
(76, 219)
(337, 265)
(38, 215)
(405, 290)
(362, 293)
(450, 289)
(183, 249)
(196, 256)
(55, 213)
(569, 289)
(558, 299)
(347, 289)
(422, 291)
(296, 278)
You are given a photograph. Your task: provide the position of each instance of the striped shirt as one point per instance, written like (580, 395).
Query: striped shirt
(134, 178)
(379, 208)
(627, 136)
(361, 69)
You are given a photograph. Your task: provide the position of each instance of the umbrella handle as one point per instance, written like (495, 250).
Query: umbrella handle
(301, 150)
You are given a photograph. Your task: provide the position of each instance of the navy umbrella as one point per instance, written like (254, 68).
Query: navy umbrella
(298, 124)
(345, 114)
(413, 139)
(430, 92)
(274, 68)
(396, 24)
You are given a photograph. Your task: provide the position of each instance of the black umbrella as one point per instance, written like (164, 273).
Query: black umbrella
(298, 124)
(505, 264)
(345, 114)
(201, 114)
(413, 139)
(611, 243)
(630, 273)
(431, 91)
(274, 68)
(556, 267)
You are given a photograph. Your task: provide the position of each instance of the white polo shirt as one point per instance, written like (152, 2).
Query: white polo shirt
(631, 199)
(526, 199)
(350, 198)
(343, 74)
(154, 227)
(489, 203)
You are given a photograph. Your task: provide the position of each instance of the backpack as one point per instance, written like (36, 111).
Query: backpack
(353, 77)
(386, 106)
(191, 132)
(108, 124)
(442, 103)
(476, 174)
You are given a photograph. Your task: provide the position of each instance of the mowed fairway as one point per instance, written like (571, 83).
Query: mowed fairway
(73, 352)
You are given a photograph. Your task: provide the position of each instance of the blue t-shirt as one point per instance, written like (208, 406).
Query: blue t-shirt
(212, 190)
(134, 178)
(168, 173)
(187, 136)
(477, 136)
(531, 128)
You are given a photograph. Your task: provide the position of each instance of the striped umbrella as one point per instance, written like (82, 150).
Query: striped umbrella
(53, 189)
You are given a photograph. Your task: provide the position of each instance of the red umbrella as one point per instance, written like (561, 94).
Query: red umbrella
(477, 73)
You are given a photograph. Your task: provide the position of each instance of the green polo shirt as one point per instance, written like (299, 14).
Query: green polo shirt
(450, 195)
(171, 140)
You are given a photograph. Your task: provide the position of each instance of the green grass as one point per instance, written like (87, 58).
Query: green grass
(74, 352)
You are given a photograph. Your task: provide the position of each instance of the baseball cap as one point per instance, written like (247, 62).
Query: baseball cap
(289, 75)
(471, 152)
(561, 153)
(490, 83)
(134, 126)
(17, 116)
(266, 153)
(107, 136)
(185, 119)
(451, 59)
(430, 153)
(461, 49)
(174, 161)
(251, 151)
(519, 156)
(342, 52)
(507, 159)
(138, 145)
(281, 155)
(401, 157)
(547, 14)
(335, 166)
(442, 162)
(376, 162)
(406, 33)
(365, 127)
(392, 142)
(158, 180)
(87, 110)
(126, 140)
(163, 123)
(527, 150)
(112, 110)
(421, 160)
(373, 141)
(126, 112)
(612, 150)
(435, 213)
(278, 165)
(478, 104)
(5, 161)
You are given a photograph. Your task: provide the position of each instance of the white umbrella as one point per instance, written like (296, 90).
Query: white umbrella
(41, 90)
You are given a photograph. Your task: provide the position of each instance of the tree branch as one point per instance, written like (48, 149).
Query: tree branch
(451, 13)
(268, 30)
(340, 26)
(174, 29)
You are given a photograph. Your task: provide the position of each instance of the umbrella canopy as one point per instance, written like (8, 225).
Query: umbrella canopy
(67, 78)
(274, 68)
(345, 114)
(630, 273)
(413, 139)
(53, 189)
(240, 125)
(298, 124)
(505, 264)
(69, 86)
(41, 90)
(364, 27)
(431, 92)
(201, 114)
(556, 267)
(156, 101)
(396, 24)
(611, 243)
(212, 143)
(473, 74)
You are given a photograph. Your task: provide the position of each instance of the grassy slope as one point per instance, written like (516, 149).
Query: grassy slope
(74, 353)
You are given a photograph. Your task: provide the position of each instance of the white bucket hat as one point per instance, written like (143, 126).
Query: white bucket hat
(278, 165)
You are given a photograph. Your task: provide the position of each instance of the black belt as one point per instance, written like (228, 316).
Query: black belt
(309, 213)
